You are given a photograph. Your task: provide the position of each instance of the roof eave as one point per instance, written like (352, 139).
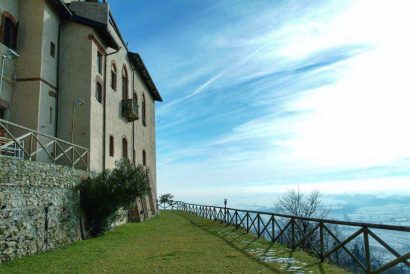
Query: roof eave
(146, 77)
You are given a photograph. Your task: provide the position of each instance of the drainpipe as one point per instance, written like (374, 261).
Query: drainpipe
(133, 123)
(58, 77)
(105, 104)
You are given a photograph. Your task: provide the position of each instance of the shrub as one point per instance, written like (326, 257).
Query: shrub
(103, 195)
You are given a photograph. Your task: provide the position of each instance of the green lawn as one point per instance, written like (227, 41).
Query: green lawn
(175, 242)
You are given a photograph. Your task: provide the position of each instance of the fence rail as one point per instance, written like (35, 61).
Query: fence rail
(322, 236)
(24, 143)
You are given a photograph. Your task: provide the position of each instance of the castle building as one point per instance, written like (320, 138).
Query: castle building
(64, 57)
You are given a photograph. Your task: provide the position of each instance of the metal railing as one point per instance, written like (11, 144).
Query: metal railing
(12, 150)
(325, 238)
(28, 144)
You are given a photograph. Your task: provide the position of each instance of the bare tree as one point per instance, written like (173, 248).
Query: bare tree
(299, 204)
(309, 205)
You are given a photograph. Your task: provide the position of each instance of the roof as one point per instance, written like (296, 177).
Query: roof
(146, 77)
(61, 8)
(96, 15)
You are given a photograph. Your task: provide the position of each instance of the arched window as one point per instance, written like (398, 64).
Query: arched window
(114, 77)
(144, 115)
(99, 62)
(144, 158)
(9, 30)
(124, 83)
(124, 148)
(99, 92)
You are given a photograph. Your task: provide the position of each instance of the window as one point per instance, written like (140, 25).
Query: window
(124, 83)
(124, 148)
(111, 146)
(9, 31)
(144, 158)
(114, 77)
(51, 115)
(2, 113)
(99, 62)
(99, 92)
(144, 115)
(52, 49)
(135, 97)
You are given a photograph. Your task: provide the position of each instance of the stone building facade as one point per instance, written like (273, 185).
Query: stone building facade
(39, 207)
(59, 55)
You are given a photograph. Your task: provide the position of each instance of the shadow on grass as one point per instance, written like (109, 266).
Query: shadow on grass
(230, 242)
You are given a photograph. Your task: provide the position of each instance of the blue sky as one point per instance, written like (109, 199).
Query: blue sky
(265, 96)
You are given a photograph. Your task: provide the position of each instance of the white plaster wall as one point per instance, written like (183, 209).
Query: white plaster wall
(75, 83)
(96, 109)
(51, 22)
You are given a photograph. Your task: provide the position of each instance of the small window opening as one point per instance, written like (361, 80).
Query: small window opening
(99, 62)
(51, 115)
(52, 49)
(124, 84)
(114, 77)
(144, 158)
(111, 146)
(99, 92)
(124, 148)
(144, 114)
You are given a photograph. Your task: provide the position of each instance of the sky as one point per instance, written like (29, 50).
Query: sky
(261, 97)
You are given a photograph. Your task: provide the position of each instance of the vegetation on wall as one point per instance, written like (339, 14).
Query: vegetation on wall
(103, 195)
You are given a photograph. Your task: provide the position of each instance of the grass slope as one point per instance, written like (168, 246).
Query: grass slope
(173, 243)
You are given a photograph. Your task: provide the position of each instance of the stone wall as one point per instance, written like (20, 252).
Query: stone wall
(27, 191)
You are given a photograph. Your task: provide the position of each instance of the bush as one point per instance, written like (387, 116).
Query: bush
(103, 195)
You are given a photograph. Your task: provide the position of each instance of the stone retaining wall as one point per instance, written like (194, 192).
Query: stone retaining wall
(27, 191)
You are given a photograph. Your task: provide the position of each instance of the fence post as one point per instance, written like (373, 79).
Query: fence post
(322, 247)
(259, 224)
(31, 146)
(225, 202)
(293, 233)
(273, 228)
(367, 250)
(247, 221)
(236, 219)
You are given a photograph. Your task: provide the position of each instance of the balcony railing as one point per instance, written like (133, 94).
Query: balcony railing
(27, 144)
(327, 239)
(130, 109)
(12, 150)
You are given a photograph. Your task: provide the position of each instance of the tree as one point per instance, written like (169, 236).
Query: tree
(103, 195)
(166, 198)
(310, 205)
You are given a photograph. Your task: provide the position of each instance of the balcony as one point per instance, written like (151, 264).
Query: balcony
(130, 110)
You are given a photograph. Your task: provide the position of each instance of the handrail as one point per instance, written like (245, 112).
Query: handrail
(41, 134)
(314, 234)
(330, 221)
(56, 150)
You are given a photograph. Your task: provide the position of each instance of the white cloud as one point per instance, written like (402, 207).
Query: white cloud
(358, 121)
